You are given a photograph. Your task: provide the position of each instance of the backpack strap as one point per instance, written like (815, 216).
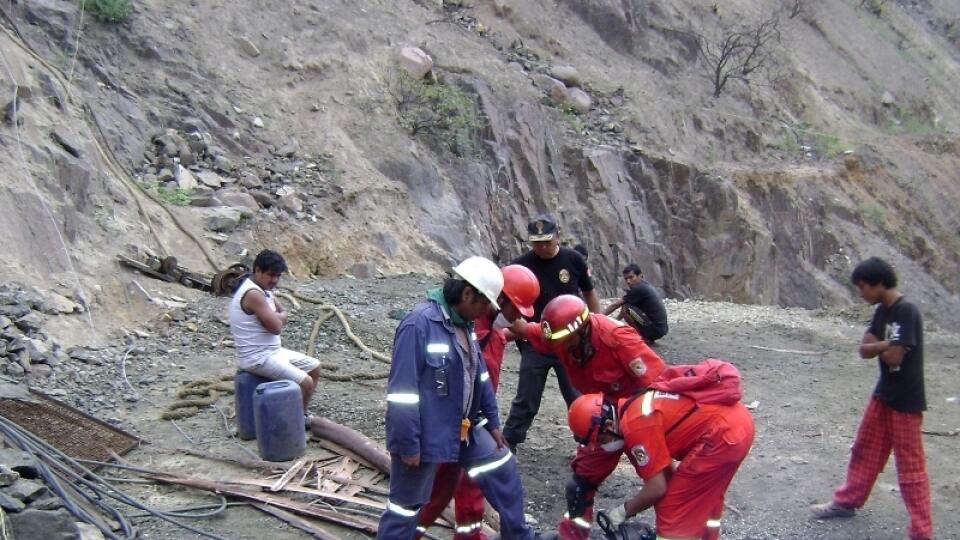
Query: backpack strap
(682, 418)
(628, 402)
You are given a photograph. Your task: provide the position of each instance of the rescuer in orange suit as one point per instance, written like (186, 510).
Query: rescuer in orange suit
(600, 355)
(708, 440)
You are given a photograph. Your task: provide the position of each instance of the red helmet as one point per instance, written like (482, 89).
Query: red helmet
(520, 285)
(587, 416)
(563, 316)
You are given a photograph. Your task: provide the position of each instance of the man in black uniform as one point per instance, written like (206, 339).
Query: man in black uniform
(643, 307)
(560, 271)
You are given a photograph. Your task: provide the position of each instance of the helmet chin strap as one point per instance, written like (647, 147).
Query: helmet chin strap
(585, 350)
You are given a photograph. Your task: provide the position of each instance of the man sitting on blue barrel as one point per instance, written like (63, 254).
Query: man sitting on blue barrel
(256, 320)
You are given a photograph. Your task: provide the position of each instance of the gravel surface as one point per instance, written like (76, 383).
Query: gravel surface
(808, 401)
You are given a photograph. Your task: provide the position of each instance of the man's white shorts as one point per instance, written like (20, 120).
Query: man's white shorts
(284, 364)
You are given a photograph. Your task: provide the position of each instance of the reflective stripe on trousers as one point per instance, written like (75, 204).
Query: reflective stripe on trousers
(578, 521)
(469, 528)
(475, 471)
(399, 510)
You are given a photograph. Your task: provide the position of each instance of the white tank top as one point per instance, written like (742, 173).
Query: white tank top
(250, 338)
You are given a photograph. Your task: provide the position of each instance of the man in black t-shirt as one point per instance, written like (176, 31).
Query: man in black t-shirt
(560, 271)
(894, 416)
(643, 306)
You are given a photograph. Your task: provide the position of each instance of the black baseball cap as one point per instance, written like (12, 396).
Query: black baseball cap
(542, 228)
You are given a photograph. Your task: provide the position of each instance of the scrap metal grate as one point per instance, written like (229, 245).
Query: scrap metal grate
(69, 430)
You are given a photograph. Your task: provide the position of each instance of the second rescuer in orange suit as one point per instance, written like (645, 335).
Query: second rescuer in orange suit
(601, 355)
(520, 290)
(708, 440)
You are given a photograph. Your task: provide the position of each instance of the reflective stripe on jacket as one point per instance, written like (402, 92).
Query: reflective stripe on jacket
(420, 418)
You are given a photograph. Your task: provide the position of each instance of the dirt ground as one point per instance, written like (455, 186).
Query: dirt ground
(808, 409)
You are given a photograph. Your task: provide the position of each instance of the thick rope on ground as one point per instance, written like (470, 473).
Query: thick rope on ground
(328, 311)
(346, 325)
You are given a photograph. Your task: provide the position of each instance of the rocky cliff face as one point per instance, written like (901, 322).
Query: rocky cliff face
(276, 123)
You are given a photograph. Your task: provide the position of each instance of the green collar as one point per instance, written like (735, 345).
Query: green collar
(436, 295)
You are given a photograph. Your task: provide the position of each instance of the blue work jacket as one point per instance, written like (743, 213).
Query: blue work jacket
(423, 418)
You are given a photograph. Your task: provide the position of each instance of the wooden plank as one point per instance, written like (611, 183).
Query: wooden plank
(345, 469)
(334, 447)
(352, 488)
(366, 485)
(309, 491)
(287, 476)
(296, 521)
(303, 509)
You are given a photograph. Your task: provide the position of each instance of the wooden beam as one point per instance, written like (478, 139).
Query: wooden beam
(287, 476)
(302, 509)
(295, 521)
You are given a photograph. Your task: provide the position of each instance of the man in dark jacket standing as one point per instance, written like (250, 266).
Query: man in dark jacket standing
(441, 406)
(560, 271)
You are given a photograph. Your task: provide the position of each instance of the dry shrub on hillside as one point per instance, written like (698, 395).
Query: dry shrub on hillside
(740, 51)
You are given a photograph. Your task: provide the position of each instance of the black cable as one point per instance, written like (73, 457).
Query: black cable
(47, 454)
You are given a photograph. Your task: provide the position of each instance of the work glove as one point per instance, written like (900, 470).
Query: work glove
(615, 527)
(617, 515)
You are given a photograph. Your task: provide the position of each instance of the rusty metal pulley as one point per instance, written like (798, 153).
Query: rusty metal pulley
(226, 281)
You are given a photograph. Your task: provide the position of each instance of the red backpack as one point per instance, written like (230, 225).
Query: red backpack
(710, 381)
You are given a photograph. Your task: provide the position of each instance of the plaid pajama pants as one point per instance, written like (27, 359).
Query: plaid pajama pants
(884, 429)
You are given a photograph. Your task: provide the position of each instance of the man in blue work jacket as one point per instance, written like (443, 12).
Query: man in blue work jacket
(441, 406)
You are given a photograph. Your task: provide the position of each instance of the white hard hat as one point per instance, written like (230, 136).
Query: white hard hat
(484, 275)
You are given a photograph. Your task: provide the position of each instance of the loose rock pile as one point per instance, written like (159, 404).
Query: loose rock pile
(33, 511)
(24, 348)
(188, 167)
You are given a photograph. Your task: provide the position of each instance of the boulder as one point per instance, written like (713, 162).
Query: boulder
(14, 311)
(10, 504)
(579, 100)
(55, 303)
(40, 371)
(185, 179)
(248, 47)
(222, 219)
(265, 199)
(415, 62)
(26, 490)
(250, 180)
(8, 476)
(558, 91)
(47, 503)
(291, 203)
(87, 531)
(239, 199)
(31, 322)
(204, 197)
(43, 525)
(888, 99)
(568, 74)
(187, 157)
(14, 369)
(84, 355)
(210, 179)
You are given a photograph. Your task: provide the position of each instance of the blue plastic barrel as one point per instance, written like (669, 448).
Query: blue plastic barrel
(244, 383)
(278, 415)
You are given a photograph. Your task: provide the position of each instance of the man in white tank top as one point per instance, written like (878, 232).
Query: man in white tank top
(256, 320)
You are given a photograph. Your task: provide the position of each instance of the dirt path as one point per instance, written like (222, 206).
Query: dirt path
(809, 407)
